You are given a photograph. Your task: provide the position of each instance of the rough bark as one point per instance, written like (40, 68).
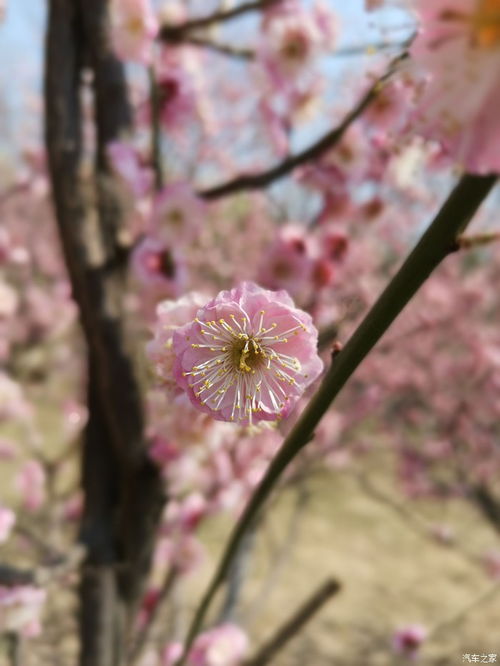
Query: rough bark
(122, 488)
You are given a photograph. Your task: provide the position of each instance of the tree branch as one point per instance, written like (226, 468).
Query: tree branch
(434, 246)
(123, 489)
(175, 33)
(326, 142)
(294, 624)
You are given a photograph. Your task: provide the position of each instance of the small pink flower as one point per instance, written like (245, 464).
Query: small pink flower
(293, 37)
(7, 521)
(157, 264)
(224, 645)
(20, 609)
(407, 640)
(30, 482)
(127, 163)
(177, 96)
(133, 29)
(12, 402)
(458, 48)
(491, 563)
(178, 214)
(9, 300)
(288, 264)
(248, 356)
(170, 315)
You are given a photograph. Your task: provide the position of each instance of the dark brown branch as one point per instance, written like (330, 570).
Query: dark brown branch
(122, 488)
(294, 624)
(174, 33)
(488, 504)
(156, 158)
(326, 142)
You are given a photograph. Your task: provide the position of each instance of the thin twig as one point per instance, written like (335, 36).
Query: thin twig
(282, 552)
(175, 33)
(327, 141)
(478, 240)
(295, 623)
(143, 636)
(155, 105)
(236, 576)
(457, 618)
(14, 655)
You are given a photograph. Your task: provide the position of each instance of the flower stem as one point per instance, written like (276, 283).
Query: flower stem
(438, 241)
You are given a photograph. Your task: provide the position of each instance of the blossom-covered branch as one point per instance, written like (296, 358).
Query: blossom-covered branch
(435, 245)
(329, 140)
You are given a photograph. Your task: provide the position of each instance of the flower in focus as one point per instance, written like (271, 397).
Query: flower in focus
(7, 520)
(248, 355)
(133, 28)
(169, 316)
(458, 48)
(407, 640)
(20, 609)
(177, 214)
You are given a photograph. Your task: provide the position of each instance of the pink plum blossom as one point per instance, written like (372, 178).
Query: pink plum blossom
(12, 401)
(458, 48)
(224, 645)
(177, 214)
(407, 640)
(292, 38)
(8, 300)
(156, 264)
(20, 609)
(7, 521)
(133, 28)
(248, 355)
(288, 263)
(177, 95)
(30, 483)
(169, 316)
(128, 164)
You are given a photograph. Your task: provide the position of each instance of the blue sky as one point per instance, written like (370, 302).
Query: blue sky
(21, 51)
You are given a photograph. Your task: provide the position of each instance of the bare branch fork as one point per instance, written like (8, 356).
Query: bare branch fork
(175, 33)
(327, 141)
(436, 244)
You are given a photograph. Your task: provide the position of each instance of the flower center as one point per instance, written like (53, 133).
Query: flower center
(486, 23)
(135, 25)
(175, 217)
(245, 362)
(483, 22)
(247, 353)
(295, 48)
